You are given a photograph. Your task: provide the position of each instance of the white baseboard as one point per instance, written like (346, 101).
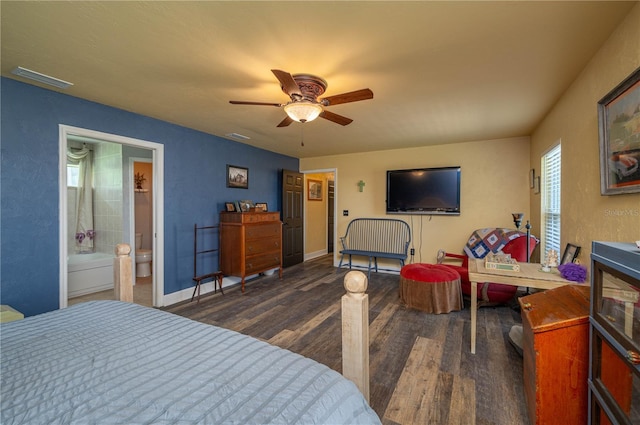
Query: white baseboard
(205, 288)
(316, 254)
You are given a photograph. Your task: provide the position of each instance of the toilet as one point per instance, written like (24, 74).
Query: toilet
(143, 258)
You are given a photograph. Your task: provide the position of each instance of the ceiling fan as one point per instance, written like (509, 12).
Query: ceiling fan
(304, 106)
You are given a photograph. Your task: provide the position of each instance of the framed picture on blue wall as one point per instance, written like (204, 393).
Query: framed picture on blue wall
(237, 177)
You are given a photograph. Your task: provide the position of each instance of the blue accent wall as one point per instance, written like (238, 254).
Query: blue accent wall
(194, 186)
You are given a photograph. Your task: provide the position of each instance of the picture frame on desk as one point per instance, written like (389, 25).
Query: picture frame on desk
(619, 144)
(262, 206)
(570, 254)
(230, 206)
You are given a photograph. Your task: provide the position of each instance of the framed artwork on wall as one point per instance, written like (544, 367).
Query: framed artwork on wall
(618, 124)
(237, 177)
(532, 178)
(314, 190)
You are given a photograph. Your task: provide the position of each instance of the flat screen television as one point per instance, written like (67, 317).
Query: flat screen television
(424, 191)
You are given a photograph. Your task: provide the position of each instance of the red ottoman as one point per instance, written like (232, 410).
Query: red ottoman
(433, 288)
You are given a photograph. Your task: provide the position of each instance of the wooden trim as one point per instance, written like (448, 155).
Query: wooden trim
(123, 273)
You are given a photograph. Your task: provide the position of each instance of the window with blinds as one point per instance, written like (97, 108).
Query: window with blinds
(550, 202)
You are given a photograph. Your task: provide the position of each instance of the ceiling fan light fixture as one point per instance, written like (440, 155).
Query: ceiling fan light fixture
(303, 111)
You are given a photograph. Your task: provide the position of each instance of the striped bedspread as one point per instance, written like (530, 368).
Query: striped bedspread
(108, 362)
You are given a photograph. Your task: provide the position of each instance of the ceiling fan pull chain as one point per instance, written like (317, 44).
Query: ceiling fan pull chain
(302, 135)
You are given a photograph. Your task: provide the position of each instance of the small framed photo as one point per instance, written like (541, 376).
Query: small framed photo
(230, 206)
(314, 190)
(619, 138)
(536, 185)
(237, 177)
(532, 178)
(262, 206)
(570, 253)
(246, 205)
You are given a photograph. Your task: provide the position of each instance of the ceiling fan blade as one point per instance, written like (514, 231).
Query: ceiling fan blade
(338, 119)
(353, 96)
(285, 122)
(288, 83)
(241, 102)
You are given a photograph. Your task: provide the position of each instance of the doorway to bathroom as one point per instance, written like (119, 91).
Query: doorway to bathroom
(141, 226)
(98, 211)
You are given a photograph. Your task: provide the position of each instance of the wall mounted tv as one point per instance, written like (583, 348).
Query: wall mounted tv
(424, 191)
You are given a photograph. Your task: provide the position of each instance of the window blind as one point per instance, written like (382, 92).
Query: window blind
(550, 205)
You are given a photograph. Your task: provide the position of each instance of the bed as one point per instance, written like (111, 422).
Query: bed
(112, 362)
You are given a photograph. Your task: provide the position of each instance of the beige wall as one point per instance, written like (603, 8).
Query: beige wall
(586, 215)
(495, 173)
(495, 183)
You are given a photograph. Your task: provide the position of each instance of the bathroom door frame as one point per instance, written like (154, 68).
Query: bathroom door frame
(132, 213)
(158, 205)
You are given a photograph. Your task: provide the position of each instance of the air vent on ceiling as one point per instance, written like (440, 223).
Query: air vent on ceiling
(238, 136)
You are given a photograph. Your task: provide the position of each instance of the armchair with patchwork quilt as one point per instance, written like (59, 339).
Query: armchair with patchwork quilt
(480, 243)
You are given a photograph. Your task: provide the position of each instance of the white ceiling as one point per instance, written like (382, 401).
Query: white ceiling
(441, 72)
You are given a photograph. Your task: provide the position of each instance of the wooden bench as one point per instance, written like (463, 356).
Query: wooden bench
(376, 238)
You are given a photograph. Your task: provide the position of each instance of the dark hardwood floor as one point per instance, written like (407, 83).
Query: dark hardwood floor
(421, 368)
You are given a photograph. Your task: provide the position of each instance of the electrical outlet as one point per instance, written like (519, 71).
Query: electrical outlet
(345, 213)
(413, 251)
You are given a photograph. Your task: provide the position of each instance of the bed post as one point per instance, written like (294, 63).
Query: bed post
(355, 331)
(122, 273)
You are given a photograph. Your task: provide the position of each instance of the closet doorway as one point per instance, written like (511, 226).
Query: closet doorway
(320, 226)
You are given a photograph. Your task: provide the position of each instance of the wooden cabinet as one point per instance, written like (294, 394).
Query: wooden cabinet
(614, 375)
(555, 342)
(250, 243)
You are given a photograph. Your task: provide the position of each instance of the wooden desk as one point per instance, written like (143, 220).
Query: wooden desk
(529, 275)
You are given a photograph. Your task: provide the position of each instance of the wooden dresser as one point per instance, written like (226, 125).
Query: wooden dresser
(250, 243)
(555, 345)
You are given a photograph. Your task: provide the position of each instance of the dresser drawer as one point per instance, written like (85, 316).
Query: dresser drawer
(261, 217)
(249, 217)
(262, 262)
(257, 246)
(256, 231)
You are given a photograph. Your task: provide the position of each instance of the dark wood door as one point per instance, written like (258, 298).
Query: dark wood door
(292, 218)
(331, 218)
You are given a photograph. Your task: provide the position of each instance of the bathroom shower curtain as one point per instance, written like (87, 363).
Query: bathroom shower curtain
(84, 231)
